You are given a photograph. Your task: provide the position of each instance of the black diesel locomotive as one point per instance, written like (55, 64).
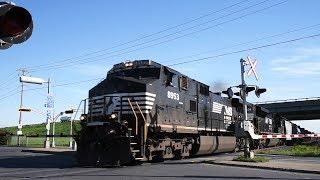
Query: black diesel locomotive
(146, 111)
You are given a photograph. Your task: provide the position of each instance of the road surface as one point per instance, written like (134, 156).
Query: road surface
(15, 164)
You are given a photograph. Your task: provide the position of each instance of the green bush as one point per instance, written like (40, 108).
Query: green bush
(299, 150)
(3, 137)
(40, 129)
(255, 159)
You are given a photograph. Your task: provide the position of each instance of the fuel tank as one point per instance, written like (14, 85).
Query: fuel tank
(216, 144)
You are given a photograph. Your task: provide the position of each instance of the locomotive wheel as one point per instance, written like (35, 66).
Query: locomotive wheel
(158, 156)
(177, 155)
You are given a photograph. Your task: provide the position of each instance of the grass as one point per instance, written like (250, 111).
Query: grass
(298, 150)
(255, 159)
(62, 128)
(40, 129)
(38, 141)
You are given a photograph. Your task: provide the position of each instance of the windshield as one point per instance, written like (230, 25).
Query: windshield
(140, 73)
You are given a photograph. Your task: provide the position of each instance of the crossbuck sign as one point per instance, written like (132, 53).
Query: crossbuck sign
(253, 65)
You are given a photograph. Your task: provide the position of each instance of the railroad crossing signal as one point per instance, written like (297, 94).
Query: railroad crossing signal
(16, 25)
(229, 92)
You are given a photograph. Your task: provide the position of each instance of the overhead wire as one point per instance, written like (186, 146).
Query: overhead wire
(248, 42)
(175, 32)
(255, 40)
(81, 61)
(247, 49)
(186, 29)
(66, 84)
(9, 94)
(10, 91)
(206, 57)
(196, 60)
(11, 77)
(46, 95)
(57, 85)
(216, 25)
(148, 35)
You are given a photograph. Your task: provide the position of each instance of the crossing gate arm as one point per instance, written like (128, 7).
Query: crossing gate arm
(281, 136)
(248, 127)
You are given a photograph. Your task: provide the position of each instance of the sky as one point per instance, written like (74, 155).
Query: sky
(75, 43)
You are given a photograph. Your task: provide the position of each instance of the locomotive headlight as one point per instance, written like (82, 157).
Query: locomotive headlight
(128, 64)
(113, 116)
(112, 131)
(82, 117)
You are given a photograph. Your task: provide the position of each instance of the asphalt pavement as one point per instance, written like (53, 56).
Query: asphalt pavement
(15, 164)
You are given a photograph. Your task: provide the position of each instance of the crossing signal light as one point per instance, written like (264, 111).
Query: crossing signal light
(228, 92)
(16, 25)
(249, 89)
(242, 93)
(238, 93)
(259, 91)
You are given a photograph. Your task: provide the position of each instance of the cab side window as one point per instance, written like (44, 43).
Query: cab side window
(169, 77)
(193, 106)
(184, 82)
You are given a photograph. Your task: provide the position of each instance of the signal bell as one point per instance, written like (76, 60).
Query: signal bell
(16, 25)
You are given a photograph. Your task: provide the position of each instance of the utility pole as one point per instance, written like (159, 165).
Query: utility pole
(49, 104)
(47, 141)
(53, 143)
(71, 133)
(71, 141)
(23, 72)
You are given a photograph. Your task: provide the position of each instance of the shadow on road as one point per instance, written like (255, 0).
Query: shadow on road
(36, 161)
(182, 176)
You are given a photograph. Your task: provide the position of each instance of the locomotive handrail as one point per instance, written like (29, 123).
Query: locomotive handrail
(144, 118)
(144, 134)
(135, 115)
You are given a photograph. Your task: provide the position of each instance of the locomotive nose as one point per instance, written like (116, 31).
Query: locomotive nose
(108, 145)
